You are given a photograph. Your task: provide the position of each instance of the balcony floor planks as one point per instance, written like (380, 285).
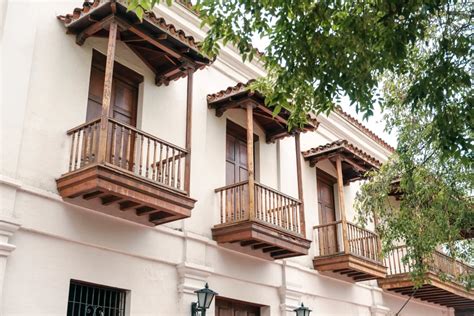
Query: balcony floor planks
(125, 192)
(446, 293)
(352, 266)
(257, 236)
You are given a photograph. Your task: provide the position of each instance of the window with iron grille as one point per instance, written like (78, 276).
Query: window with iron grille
(87, 299)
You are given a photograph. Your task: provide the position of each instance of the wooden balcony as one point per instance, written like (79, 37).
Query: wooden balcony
(141, 178)
(357, 256)
(448, 290)
(273, 228)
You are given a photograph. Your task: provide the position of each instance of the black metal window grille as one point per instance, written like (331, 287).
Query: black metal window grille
(95, 300)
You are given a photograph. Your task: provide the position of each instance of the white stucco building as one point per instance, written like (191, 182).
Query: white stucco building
(126, 207)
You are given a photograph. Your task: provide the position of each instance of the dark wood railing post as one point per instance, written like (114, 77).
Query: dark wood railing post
(342, 210)
(109, 69)
(189, 110)
(299, 177)
(250, 163)
(379, 241)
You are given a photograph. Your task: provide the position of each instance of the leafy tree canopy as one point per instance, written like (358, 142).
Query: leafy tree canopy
(434, 202)
(411, 57)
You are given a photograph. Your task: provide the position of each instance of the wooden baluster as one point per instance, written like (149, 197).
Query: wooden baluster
(260, 206)
(77, 160)
(256, 202)
(92, 143)
(87, 145)
(147, 168)
(234, 200)
(81, 152)
(121, 148)
(127, 157)
(351, 242)
(265, 206)
(114, 140)
(71, 156)
(160, 166)
(272, 207)
(140, 153)
(178, 177)
(173, 168)
(278, 210)
(281, 211)
(397, 261)
(369, 246)
(134, 151)
(228, 206)
(167, 165)
(221, 202)
(321, 245)
(288, 208)
(372, 247)
(366, 245)
(238, 202)
(153, 166)
(297, 219)
(244, 205)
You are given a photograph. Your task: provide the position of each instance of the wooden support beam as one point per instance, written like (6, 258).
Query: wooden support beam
(246, 243)
(259, 246)
(109, 199)
(144, 60)
(142, 210)
(299, 178)
(152, 40)
(125, 205)
(277, 118)
(107, 95)
(92, 195)
(250, 165)
(270, 249)
(277, 134)
(189, 126)
(92, 29)
(342, 210)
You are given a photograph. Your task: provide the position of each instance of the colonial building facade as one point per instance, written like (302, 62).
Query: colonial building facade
(135, 169)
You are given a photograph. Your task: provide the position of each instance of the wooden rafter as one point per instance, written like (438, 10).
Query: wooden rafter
(94, 28)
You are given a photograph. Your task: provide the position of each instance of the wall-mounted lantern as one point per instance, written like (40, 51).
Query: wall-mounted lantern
(204, 297)
(302, 311)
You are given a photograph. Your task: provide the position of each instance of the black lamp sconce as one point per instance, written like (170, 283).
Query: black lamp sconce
(204, 300)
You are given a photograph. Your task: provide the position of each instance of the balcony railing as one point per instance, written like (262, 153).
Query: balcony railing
(439, 263)
(130, 150)
(271, 206)
(361, 242)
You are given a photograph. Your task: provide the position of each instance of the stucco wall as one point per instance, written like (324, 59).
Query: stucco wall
(45, 78)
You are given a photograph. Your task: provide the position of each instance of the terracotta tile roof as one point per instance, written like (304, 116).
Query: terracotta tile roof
(89, 6)
(229, 91)
(342, 145)
(241, 87)
(364, 129)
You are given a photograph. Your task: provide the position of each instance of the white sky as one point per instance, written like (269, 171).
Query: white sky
(375, 123)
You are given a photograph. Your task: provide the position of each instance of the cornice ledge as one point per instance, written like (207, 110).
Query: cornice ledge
(379, 310)
(12, 182)
(192, 277)
(228, 55)
(8, 226)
